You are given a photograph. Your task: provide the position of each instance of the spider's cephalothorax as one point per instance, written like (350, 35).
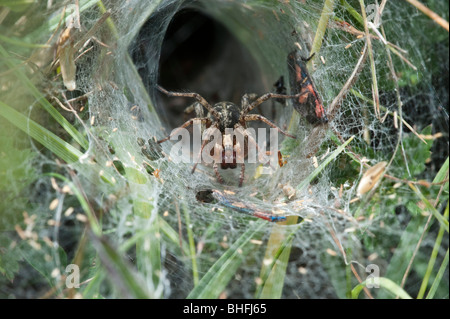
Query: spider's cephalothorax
(229, 115)
(226, 116)
(229, 118)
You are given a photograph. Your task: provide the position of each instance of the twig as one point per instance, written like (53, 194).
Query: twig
(346, 27)
(399, 104)
(79, 98)
(318, 131)
(357, 94)
(358, 159)
(334, 106)
(432, 15)
(35, 54)
(89, 34)
(372, 61)
(344, 255)
(360, 281)
(69, 108)
(423, 234)
(401, 56)
(83, 39)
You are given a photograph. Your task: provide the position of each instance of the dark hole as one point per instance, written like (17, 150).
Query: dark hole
(197, 54)
(188, 48)
(200, 55)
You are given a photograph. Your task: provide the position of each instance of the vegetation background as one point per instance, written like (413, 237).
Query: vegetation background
(82, 184)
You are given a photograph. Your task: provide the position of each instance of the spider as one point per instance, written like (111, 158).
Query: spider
(222, 116)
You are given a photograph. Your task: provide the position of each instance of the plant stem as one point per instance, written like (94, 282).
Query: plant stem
(191, 242)
(372, 60)
(439, 276)
(432, 260)
(327, 11)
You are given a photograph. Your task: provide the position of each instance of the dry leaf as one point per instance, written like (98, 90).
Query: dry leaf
(371, 177)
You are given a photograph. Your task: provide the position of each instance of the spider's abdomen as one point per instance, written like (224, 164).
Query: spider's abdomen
(229, 115)
(225, 165)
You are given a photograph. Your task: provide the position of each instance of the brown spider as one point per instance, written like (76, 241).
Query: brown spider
(227, 115)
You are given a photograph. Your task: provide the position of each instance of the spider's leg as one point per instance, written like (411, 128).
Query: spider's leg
(246, 100)
(186, 124)
(241, 179)
(206, 140)
(241, 130)
(257, 117)
(199, 156)
(269, 153)
(216, 170)
(198, 109)
(249, 97)
(196, 96)
(195, 107)
(266, 97)
(253, 142)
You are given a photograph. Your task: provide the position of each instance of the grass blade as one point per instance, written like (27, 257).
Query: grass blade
(119, 270)
(278, 251)
(442, 174)
(172, 236)
(385, 283)
(441, 219)
(76, 135)
(433, 257)
(372, 61)
(52, 142)
(20, 43)
(438, 278)
(53, 22)
(191, 242)
(219, 274)
(320, 168)
(327, 12)
(60, 148)
(352, 12)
